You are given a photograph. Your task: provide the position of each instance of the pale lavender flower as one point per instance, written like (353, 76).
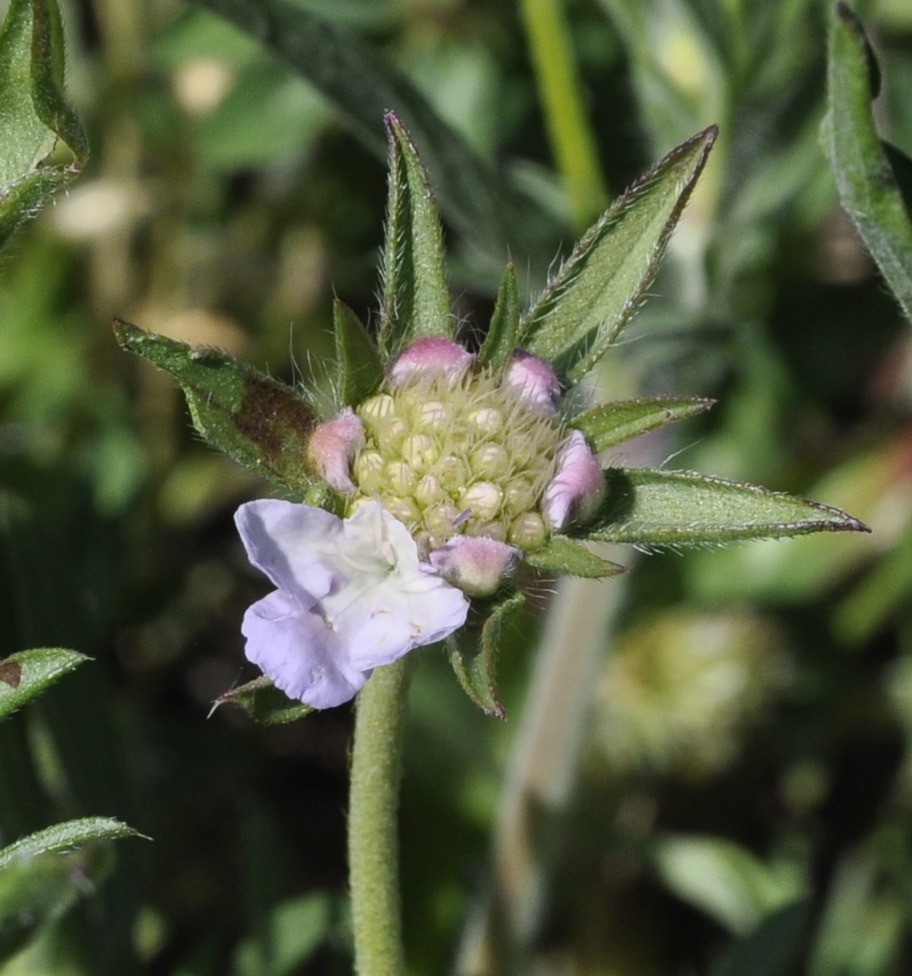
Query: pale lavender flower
(352, 595)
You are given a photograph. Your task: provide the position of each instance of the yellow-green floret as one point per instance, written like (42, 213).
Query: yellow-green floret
(449, 455)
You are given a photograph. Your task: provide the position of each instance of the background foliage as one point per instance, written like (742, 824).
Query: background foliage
(739, 797)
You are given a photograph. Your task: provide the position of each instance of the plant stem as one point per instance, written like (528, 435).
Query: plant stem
(569, 132)
(373, 840)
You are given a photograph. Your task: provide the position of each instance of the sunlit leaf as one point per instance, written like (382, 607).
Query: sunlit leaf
(865, 178)
(474, 655)
(265, 703)
(568, 557)
(681, 508)
(25, 675)
(501, 338)
(415, 300)
(613, 423)
(360, 369)
(42, 144)
(256, 420)
(592, 297)
(724, 879)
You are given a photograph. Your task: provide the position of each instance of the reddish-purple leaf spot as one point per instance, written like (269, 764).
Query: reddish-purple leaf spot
(11, 673)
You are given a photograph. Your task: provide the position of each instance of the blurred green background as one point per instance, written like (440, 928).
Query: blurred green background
(736, 794)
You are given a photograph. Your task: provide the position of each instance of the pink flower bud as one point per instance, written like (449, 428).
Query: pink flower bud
(427, 358)
(333, 447)
(577, 488)
(475, 564)
(535, 381)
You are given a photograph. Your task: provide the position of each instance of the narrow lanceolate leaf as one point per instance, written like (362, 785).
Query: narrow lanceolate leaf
(865, 178)
(415, 300)
(586, 305)
(263, 702)
(25, 675)
(64, 837)
(568, 557)
(680, 508)
(42, 144)
(360, 369)
(473, 654)
(613, 423)
(252, 418)
(361, 84)
(501, 338)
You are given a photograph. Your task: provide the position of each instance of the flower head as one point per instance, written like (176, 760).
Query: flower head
(351, 595)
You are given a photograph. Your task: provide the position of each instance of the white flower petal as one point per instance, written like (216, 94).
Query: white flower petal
(351, 596)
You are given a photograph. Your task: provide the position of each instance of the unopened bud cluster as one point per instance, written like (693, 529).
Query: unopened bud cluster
(458, 455)
(475, 462)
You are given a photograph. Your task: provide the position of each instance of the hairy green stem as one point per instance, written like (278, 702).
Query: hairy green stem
(373, 841)
(569, 131)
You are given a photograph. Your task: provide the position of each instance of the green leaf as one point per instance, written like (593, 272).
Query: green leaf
(64, 837)
(501, 338)
(264, 703)
(571, 558)
(41, 877)
(415, 300)
(613, 423)
(33, 893)
(681, 508)
(589, 301)
(253, 418)
(288, 936)
(865, 180)
(769, 948)
(474, 655)
(725, 879)
(25, 675)
(360, 369)
(42, 144)
(362, 86)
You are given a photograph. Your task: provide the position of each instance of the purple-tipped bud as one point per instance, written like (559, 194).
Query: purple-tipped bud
(577, 488)
(427, 358)
(535, 381)
(333, 447)
(476, 565)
